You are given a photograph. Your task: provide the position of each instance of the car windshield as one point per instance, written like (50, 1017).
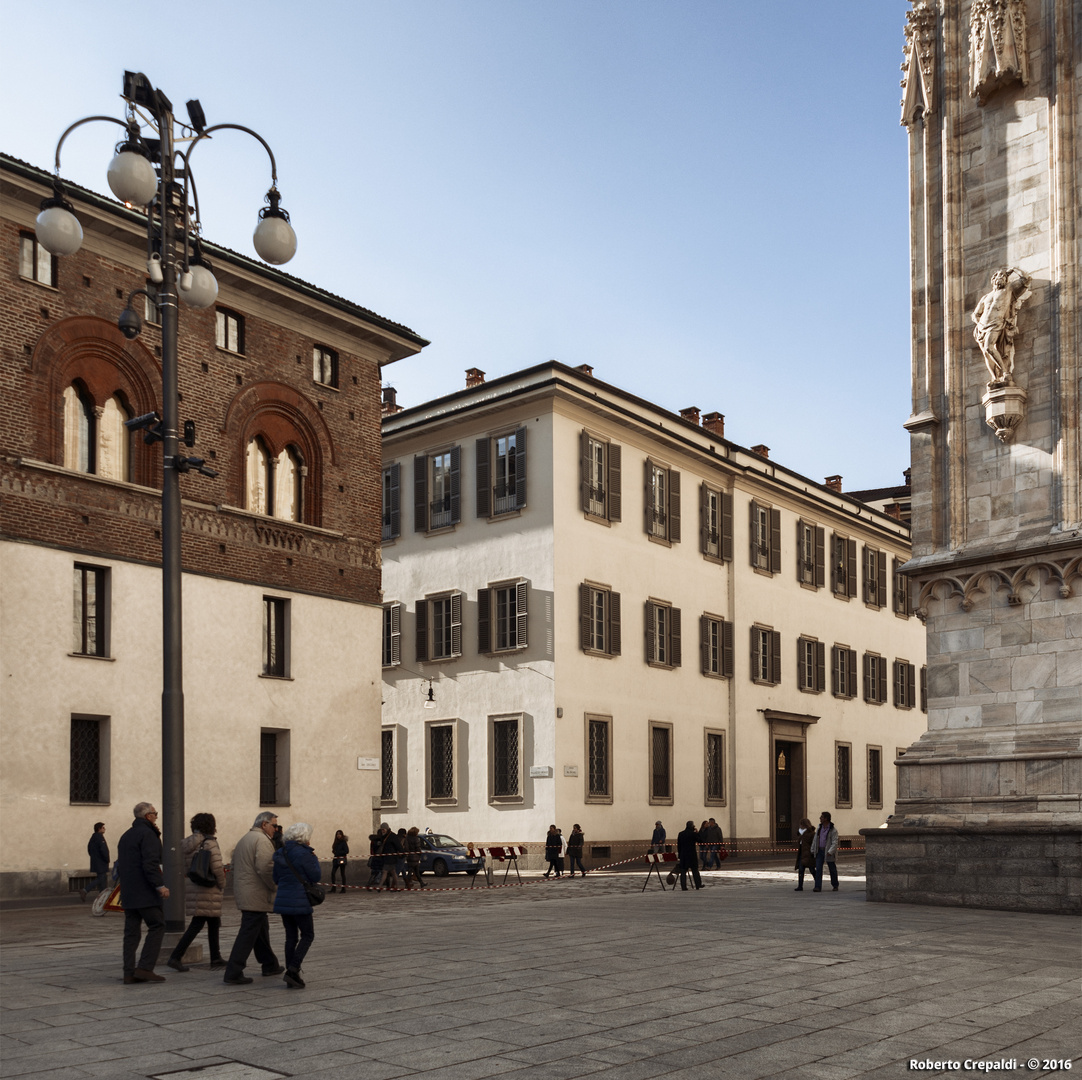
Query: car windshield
(440, 841)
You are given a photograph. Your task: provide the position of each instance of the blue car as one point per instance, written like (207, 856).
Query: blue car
(442, 855)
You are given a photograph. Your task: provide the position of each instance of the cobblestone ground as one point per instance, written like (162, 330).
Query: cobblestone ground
(559, 979)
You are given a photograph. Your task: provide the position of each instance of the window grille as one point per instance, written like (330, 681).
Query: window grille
(442, 762)
(660, 763)
(268, 768)
(875, 776)
(85, 760)
(599, 759)
(715, 767)
(843, 775)
(387, 766)
(505, 773)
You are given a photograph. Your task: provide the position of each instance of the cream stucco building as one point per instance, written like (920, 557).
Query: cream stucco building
(597, 611)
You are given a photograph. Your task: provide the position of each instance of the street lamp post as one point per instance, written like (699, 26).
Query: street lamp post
(146, 172)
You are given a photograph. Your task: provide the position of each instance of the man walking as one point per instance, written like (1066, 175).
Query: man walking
(98, 850)
(253, 891)
(711, 839)
(142, 890)
(688, 854)
(824, 848)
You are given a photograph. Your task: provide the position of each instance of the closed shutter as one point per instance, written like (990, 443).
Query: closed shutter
(851, 668)
(585, 620)
(704, 645)
(420, 494)
(395, 499)
(820, 666)
(396, 634)
(674, 637)
(520, 468)
(456, 624)
(674, 506)
(850, 568)
(726, 527)
(651, 644)
(881, 584)
(775, 541)
(775, 656)
(820, 574)
(614, 500)
(727, 649)
(456, 484)
(484, 485)
(520, 614)
(614, 623)
(422, 629)
(484, 621)
(584, 471)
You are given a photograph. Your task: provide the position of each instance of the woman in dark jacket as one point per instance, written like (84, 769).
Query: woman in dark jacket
(339, 851)
(413, 857)
(554, 844)
(804, 860)
(574, 850)
(295, 865)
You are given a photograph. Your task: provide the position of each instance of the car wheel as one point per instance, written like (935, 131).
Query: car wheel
(439, 868)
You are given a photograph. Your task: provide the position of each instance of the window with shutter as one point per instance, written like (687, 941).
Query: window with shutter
(924, 688)
(902, 605)
(599, 620)
(439, 627)
(391, 521)
(662, 502)
(662, 622)
(905, 678)
(843, 662)
(809, 554)
(765, 655)
(600, 478)
(392, 635)
(437, 496)
(501, 617)
(810, 665)
(501, 474)
(843, 566)
(875, 678)
(875, 577)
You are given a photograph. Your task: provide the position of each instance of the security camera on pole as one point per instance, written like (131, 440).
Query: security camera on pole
(150, 171)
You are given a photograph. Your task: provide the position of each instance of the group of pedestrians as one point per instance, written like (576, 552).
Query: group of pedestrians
(394, 858)
(267, 877)
(556, 846)
(817, 848)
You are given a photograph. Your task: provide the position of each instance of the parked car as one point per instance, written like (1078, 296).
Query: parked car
(442, 855)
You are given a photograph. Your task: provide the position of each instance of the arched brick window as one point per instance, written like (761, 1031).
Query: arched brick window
(95, 439)
(274, 483)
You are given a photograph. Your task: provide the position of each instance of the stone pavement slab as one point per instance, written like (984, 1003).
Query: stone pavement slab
(547, 982)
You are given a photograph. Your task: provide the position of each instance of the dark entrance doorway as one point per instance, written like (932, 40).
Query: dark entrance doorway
(788, 789)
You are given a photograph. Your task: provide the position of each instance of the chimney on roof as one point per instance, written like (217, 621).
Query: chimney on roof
(908, 474)
(586, 369)
(834, 483)
(762, 451)
(390, 406)
(714, 422)
(894, 510)
(474, 377)
(691, 414)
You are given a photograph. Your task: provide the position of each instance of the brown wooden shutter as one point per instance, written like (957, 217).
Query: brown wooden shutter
(395, 500)
(614, 623)
(837, 575)
(456, 624)
(899, 684)
(753, 532)
(882, 662)
(674, 637)
(484, 620)
(585, 620)
(520, 614)
(422, 629)
(520, 468)
(420, 494)
(881, 590)
(775, 656)
(704, 644)
(613, 499)
(867, 677)
(648, 627)
(800, 662)
(869, 582)
(727, 648)
(584, 470)
(726, 527)
(910, 685)
(852, 669)
(704, 526)
(851, 567)
(755, 653)
(820, 575)
(396, 634)
(924, 688)
(456, 484)
(820, 666)
(674, 506)
(484, 485)
(775, 541)
(648, 508)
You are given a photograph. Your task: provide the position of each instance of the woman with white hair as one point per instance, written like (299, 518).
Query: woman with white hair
(295, 866)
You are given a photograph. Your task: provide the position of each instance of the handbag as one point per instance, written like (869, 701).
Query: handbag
(316, 893)
(199, 872)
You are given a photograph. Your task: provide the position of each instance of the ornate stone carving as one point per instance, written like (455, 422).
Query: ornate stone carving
(1018, 581)
(997, 46)
(996, 325)
(918, 65)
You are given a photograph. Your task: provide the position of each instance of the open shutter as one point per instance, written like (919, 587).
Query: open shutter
(726, 527)
(820, 575)
(753, 532)
(520, 469)
(484, 621)
(674, 506)
(674, 637)
(584, 470)
(614, 499)
(394, 510)
(800, 664)
(851, 567)
(727, 648)
(836, 687)
(456, 624)
(837, 571)
(882, 581)
(851, 667)
(867, 677)
(422, 629)
(648, 625)
(704, 645)
(704, 526)
(520, 615)
(899, 683)
(396, 634)
(648, 507)
(775, 656)
(882, 662)
(820, 666)
(924, 688)
(585, 621)
(456, 484)
(910, 684)
(614, 623)
(775, 541)
(754, 653)
(420, 494)
(484, 484)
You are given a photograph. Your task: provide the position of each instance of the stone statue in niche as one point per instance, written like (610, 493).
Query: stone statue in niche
(997, 46)
(996, 318)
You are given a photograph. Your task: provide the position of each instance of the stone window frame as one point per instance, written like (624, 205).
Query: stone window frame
(843, 796)
(710, 733)
(666, 727)
(518, 796)
(604, 722)
(874, 754)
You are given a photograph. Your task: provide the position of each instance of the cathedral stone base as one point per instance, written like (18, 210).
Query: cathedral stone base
(1007, 867)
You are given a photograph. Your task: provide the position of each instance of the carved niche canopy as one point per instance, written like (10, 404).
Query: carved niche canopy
(997, 46)
(918, 64)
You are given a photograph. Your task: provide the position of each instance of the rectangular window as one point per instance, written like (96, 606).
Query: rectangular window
(905, 684)
(391, 519)
(843, 666)
(89, 759)
(151, 313)
(811, 665)
(35, 263)
(843, 775)
(273, 767)
(392, 635)
(661, 789)
(716, 642)
(442, 753)
(715, 523)
(324, 366)
(599, 759)
(765, 655)
(501, 474)
(229, 331)
(599, 620)
(875, 776)
(662, 634)
(902, 605)
(600, 478)
(843, 566)
(662, 502)
(765, 538)
(810, 561)
(505, 756)
(387, 767)
(437, 497)
(875, 577)
(275, 637)
(501, 617)
(715, 768)
(439, 627)
(91, 614)
(875, 679)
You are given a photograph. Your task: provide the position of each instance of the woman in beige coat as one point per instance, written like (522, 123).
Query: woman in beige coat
(203, 903)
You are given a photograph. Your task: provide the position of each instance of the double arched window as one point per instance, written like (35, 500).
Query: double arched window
(95, 438)
(274, 484)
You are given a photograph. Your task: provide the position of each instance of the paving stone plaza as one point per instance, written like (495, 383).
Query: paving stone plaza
(561, 979)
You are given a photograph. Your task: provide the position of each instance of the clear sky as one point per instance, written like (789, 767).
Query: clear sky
(706, 200)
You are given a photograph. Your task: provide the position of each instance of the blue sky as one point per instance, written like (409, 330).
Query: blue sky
(706, 201)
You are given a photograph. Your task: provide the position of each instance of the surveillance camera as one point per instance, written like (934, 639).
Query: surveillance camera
(130, 324)
(138, 423)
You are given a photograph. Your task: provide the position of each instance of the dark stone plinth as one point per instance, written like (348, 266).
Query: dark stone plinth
(1006, 867)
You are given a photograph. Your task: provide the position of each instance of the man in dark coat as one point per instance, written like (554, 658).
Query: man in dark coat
(688, 854)
(142, 890)
(98, 850)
